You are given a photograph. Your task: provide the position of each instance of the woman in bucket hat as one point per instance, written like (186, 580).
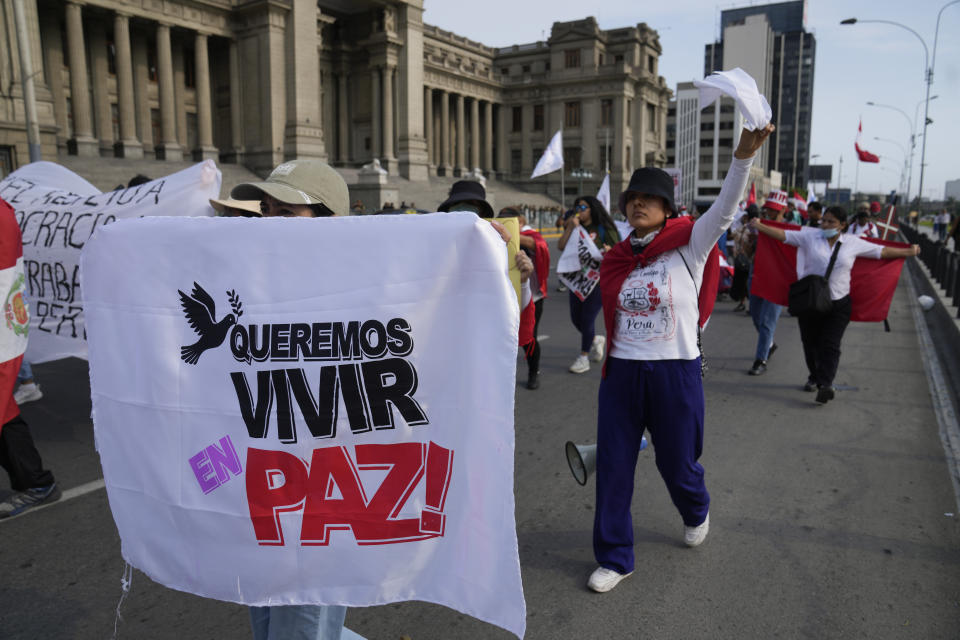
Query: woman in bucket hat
(658, 287)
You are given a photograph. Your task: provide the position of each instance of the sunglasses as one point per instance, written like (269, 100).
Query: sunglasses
(581, 207)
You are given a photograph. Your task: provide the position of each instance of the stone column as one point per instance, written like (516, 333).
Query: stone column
(204, 104)
(411, 141)
(167, 146)
(488, 138)
(503, 162)
(428, 126)
(474, 134)
(83, 139)
(54, 59)
(141, 95)
(375, 112)
(343, 120)
(445, 132)
(303, 133)
(128, 146)
(102, 115)
(236, 101)
(390, 159)
(180, 94)
(461, 138)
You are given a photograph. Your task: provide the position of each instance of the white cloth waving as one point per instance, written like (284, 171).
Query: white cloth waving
(740, 86)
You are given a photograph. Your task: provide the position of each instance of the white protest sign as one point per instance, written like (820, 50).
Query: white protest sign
(579, 265)
(58, 212)
(292, 430)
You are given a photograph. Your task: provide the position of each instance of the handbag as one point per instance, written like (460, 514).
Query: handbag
(811, 294)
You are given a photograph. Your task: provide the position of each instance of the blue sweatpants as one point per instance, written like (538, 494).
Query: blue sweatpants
(583, 314)
(664, 397)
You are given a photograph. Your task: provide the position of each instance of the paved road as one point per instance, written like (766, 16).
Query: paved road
(836, 521)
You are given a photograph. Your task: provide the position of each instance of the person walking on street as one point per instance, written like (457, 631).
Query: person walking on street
(763, 312)
(821, 333)
(589, 213)
(659, 285)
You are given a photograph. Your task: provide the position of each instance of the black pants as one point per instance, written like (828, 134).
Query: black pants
(532, 349)
(821, 335)
(20, 458)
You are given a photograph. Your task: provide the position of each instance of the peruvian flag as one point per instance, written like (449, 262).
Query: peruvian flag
(752, 198)
(800, 204)
(872, 282)
(16, 319)
(863, 154)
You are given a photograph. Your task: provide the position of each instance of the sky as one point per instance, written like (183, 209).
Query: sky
(879, 63)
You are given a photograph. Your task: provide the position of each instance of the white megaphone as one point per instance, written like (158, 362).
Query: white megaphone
(582, 459)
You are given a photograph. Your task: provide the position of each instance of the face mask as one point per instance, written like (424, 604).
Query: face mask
(829, 233)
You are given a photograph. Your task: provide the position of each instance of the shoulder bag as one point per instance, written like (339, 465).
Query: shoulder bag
(811, 294)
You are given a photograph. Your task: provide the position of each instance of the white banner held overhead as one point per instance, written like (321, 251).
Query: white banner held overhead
(552, 158)
(58, 212)
(278, 432)
(579, 265)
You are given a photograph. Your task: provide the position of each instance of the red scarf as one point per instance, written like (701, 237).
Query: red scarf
(541, 259)
(620, 261)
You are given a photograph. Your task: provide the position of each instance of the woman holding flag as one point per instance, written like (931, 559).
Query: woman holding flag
(658, 288)
(821, 333)
(590, 214)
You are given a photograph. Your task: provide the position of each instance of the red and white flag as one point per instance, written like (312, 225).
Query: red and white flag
(889, 228)
(752, 198)
(872, 282)
(863, 154)
(16, 318)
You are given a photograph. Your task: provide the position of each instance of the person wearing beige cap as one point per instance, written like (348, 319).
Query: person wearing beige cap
(298, 188)
(230, 208)
(303, 188)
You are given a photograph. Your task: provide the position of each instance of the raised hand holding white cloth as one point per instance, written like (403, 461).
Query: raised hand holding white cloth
(740, 86)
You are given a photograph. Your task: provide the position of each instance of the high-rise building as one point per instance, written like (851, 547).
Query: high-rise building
(771, 43)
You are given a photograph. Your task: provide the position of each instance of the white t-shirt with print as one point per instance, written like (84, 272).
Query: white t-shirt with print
(657, 311)
(813, 257)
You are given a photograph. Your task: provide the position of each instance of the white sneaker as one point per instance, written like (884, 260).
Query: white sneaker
(603, 579)
(693, 536)
(596, 349)
(580, 365)
(27, 393)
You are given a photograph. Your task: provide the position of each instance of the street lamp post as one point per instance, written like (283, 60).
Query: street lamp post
(928, 67)
(903, 172)
(912, 123)
(581, 173)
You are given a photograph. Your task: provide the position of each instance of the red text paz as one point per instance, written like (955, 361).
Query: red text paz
(331, 495)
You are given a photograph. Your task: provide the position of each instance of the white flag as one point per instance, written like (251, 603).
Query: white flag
(811, 196)
(739, 85)
(603, 195)
(293, 433)
(552, 158)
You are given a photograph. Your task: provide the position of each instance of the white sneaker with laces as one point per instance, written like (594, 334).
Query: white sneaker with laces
(603, 579)
(596, 349)
(580, 365)
(27, 393)
(693, 536)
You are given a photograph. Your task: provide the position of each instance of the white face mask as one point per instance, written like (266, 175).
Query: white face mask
(829, 233)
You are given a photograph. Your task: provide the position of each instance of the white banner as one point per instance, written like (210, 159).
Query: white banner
(58, 212)
(579, 265)
(295, 411)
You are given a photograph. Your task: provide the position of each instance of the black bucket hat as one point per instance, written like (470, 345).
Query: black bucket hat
(652, 181)
(464, 190)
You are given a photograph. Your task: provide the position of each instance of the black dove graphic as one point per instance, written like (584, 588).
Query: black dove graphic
(201, 315)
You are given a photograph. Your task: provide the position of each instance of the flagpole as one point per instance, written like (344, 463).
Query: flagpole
(563, 192)
(856, 180)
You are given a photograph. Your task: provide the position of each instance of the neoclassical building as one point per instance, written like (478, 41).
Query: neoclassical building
(259, 81)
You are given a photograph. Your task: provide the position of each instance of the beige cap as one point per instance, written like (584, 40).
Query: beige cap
(250, 206)
(304, 181)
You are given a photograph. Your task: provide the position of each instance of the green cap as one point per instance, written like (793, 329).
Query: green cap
(304, 181)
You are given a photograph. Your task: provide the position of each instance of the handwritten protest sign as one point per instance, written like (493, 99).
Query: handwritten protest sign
(58, 212)
(579, 264)
(293, 431)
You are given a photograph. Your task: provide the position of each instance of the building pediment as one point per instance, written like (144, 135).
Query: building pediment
(586, 29)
